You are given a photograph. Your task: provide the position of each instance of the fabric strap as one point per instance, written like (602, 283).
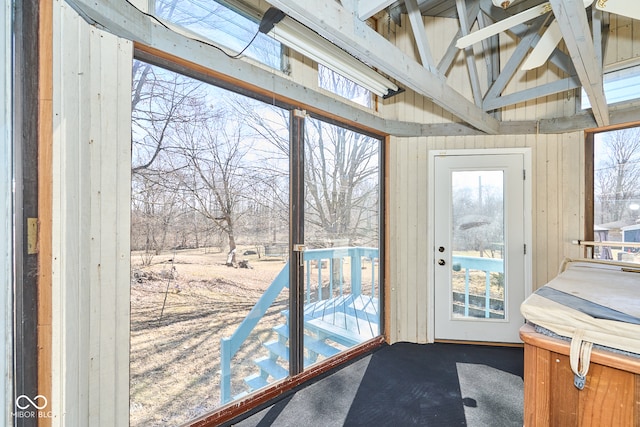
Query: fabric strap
(580, 357)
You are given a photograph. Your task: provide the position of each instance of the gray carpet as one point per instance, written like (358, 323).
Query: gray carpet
(409, 385)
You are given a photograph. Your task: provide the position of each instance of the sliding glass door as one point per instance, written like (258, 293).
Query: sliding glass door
(254, 244)
(341, 225)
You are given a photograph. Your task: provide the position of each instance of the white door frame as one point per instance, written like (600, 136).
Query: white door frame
(528, 221)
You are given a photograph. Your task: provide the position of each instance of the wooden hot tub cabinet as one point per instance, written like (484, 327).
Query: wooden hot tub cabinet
(611, 396)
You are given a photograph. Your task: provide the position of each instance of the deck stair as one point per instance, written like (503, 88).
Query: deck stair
(279, 352)
(343, 316)
(338, 314)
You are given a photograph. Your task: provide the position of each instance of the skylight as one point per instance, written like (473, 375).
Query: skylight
(621, 85)
(222, 25)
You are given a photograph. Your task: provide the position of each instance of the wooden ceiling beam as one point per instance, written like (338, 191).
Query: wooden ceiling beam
(470, 57)
(577, 36)
(331, 20)
(368, 8)
(420, 35)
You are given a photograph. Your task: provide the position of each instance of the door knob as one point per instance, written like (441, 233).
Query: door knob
(441, 262)
(441, 249)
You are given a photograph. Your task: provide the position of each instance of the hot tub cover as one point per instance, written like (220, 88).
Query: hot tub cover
(597, 301)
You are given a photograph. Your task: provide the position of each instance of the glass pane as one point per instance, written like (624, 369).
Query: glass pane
(617, 195)
(209, 215)
(619, 86)
(336, 83)
(478, 239)
(223, 26)
(342, 221)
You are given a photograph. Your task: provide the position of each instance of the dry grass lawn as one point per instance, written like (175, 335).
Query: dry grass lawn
(175, 351)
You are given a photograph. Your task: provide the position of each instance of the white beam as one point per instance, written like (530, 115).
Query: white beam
(577, 36)
(468, 53)
(368, 8)
(332, 21)
(420, 34)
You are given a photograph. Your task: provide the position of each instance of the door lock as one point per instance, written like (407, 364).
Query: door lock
(441, 262)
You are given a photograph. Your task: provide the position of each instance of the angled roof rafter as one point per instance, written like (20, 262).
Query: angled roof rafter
(420, 34)
(331, 20)
(577, 36)
(368, 8)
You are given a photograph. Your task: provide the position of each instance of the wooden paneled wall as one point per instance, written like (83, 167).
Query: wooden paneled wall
(90, 223)
(6, 214)
(557, 205)
(623, 45)
(557, 162)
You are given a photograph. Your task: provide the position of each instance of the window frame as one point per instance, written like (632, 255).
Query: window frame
(297, 376)
(589, 182)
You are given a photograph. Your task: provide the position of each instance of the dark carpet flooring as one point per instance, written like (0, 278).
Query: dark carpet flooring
(409, 385)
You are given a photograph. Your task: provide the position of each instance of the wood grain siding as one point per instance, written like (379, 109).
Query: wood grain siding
(45, 196)
(6, 213)
(558, 215)
(91, 223)
(623, 44)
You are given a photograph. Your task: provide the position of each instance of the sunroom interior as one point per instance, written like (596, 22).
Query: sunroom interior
(210, 202)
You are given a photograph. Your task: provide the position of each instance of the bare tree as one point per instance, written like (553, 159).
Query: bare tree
(156, 211)
(617, 174)
(160, 100)
(341, 170)
(340, 85)
(211, 157)
(341, 181)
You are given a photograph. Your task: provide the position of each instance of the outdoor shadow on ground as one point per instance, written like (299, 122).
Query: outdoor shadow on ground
(407, 384)
(424, 385)
(176, 358)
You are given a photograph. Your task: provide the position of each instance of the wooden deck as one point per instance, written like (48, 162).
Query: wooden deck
(346, 319)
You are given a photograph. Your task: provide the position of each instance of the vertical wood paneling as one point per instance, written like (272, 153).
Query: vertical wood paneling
(45, 173)
(541, 214)
(91, 223)
(623, 42)
(6, 214)
(557, 205)
(421, 259)
(572, 198)
(394, 229)
(403, 241)
(554, 204)
(413, 188)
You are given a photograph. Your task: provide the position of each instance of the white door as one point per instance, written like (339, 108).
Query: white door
(479, 237)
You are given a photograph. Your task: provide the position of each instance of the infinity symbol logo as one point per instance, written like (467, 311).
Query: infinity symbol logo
(30, 402)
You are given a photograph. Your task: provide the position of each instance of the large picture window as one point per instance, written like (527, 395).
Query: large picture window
(211, 310)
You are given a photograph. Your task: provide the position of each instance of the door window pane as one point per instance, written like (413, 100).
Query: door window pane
(478, 244)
